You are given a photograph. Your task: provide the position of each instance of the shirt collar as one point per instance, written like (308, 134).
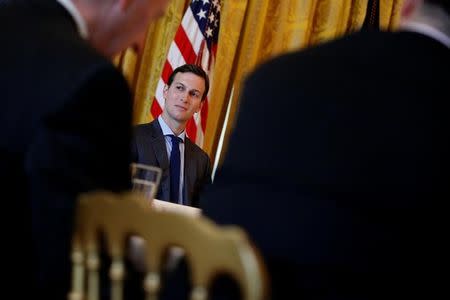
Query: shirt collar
(77, 17)
(166, 129)
(427, 30)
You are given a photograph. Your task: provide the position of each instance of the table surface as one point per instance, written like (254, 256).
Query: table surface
(176, 208)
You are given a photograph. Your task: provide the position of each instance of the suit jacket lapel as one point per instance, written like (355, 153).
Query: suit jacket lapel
(159, 145)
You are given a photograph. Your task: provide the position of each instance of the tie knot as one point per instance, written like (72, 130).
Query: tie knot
(175, 140)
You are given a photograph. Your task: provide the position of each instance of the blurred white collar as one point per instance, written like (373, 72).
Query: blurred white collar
(79, 21)
(427, 30)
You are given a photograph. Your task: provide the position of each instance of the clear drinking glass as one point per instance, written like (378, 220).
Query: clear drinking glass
(145, 179)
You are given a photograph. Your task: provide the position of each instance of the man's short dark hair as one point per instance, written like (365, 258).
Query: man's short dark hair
(191, 68)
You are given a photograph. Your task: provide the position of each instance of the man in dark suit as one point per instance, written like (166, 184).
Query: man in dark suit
(184, 95)
(343, 201)
(65, 125)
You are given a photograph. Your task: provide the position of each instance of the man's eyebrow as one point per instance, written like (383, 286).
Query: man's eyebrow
(194, 89)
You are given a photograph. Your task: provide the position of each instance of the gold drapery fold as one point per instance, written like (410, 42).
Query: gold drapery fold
(357, 15)
(232, 18)
(274, 27)
(390, 13)
(251, 32)
(130, 61)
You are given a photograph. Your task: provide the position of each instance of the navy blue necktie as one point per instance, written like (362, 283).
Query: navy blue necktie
(175, 169)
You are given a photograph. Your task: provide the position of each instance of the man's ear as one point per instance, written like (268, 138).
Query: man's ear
(200, 106)
(123, 4)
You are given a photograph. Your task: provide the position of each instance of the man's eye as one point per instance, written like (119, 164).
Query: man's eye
(180, 88)
(195, 94)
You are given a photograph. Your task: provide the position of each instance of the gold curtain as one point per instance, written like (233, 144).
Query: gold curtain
(273, 27)
(251, 31)
(390, 13)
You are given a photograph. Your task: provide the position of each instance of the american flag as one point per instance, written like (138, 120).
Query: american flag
(195, 42)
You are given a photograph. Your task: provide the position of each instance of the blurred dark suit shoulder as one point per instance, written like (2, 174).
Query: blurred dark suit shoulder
(65, 129)
(335, 162)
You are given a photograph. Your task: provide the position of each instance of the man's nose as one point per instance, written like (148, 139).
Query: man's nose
(185, 96)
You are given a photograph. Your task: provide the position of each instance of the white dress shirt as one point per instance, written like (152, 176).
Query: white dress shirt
(167, 131)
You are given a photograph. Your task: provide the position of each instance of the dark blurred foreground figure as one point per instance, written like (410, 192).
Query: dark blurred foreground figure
(345, 200)
(65, 125)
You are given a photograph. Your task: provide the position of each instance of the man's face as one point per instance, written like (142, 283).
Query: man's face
(183, 97)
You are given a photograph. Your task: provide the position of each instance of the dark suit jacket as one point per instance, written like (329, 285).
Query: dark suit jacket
(343, 199)
(149, 147)
(65, 129)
